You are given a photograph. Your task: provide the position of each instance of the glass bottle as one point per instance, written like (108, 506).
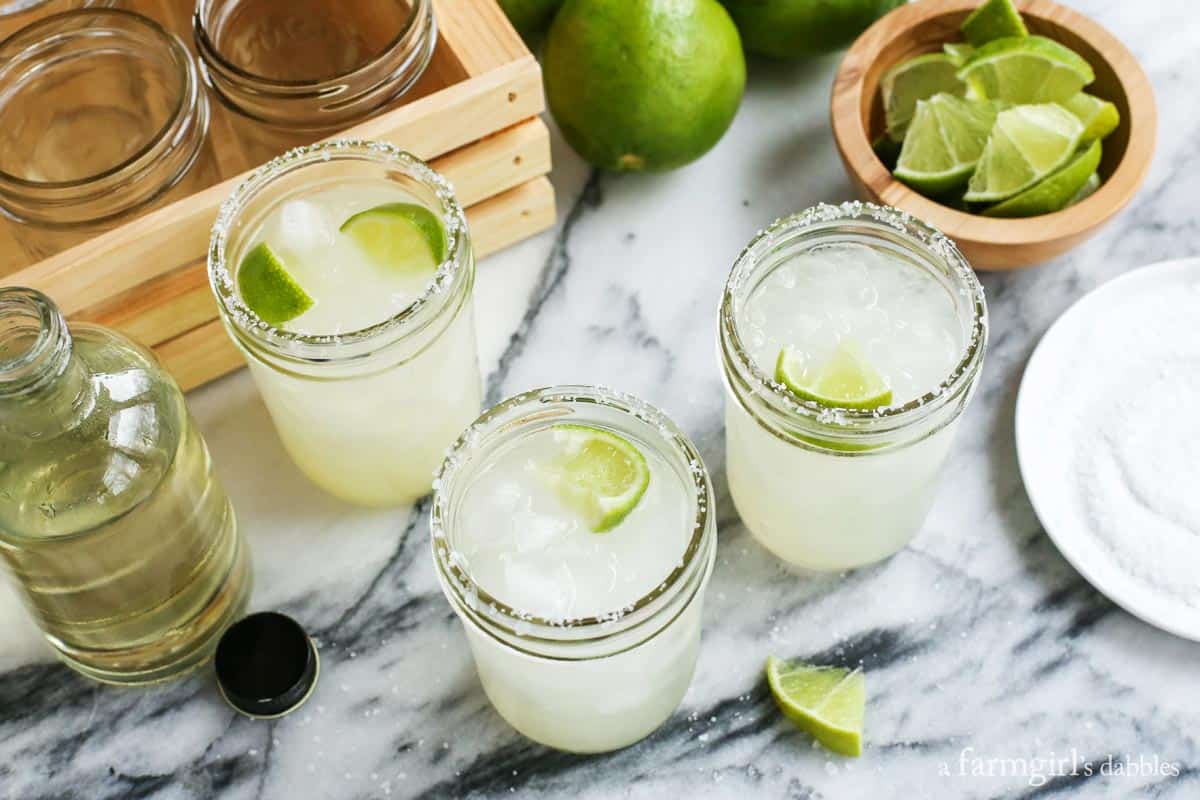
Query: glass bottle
(112, 522)
(102, 118)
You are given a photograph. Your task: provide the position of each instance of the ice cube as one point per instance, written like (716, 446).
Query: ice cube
(299, 227)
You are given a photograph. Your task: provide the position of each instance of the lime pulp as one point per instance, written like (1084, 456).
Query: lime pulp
(1027, 144)
(995, 19)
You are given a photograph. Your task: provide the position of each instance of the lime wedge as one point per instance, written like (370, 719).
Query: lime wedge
(995, 19)
(944, 143)
(598, 473)
(846, 380)
(402, 236)
(959, 53)
(1087, 190)
(268, 289)
(1099, 117)
(1027, 144)
(1055, 192)
(1030, 69)
(914, 80)
(828, 702)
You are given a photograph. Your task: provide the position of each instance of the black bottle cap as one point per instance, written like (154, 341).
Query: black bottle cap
(266, 665)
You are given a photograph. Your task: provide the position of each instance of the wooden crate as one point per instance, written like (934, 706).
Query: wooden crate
(473, 115)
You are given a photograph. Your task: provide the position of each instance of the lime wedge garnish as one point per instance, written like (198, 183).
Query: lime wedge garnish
(1030, 69)
(1027, 144)
(268, 289)
(1099, 117)
(944, 143)
(1055, 192)
(917, 79)
(995, 19)
(846, 380)
(403, 236)
(828, 702)
(598, 473)
(959, 53)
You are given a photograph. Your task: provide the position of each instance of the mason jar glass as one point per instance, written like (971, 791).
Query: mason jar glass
(296, 72)
(366, 414)
(592, 683)
(102, 117)
(16, 14)
(831, 489)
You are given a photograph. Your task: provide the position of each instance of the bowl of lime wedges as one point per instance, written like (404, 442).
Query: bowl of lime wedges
(1017, 127)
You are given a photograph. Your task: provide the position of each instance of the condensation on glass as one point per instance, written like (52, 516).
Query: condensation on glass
(300, 71)
(113, 524)
(102, 118)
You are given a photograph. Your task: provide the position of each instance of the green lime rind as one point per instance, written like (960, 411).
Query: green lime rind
(1027, 144)
(790, 29)
(827, 702)
(1088, 189)
(995, 19)
(599, 474)
(401, 235)
(1099, 117)
(1030, 69)
(268, 289)
(920, 78)
(531, 18)
(958, 52)
(846, 380)
(1054, 192)
(944, 143)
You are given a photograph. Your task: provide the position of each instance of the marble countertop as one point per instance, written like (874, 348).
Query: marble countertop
(979, 641)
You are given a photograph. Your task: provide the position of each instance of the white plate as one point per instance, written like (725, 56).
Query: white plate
(1048, 437)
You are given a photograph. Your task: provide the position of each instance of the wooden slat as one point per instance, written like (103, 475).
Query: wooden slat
(180, 300)
(478, 34)
(206, 352)
(161, 241)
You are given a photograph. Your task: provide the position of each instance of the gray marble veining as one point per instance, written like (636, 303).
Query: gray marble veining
(979, 641)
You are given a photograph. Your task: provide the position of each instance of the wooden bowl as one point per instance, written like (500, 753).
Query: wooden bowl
(987, 242)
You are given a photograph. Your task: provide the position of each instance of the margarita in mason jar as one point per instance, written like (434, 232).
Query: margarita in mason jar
(573, 533)
(852, 338)
(344, 272)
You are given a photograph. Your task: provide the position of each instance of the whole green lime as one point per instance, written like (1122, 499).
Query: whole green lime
(530, 17)
(643, 84)
(796, 28)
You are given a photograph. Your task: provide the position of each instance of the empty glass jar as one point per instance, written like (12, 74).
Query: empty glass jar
(300, 71)
(102, 117)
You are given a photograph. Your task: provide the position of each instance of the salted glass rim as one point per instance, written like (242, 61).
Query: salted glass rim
(482, 436)
(32, 37)
(317, 347)
(925, 240)
(210, 49)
